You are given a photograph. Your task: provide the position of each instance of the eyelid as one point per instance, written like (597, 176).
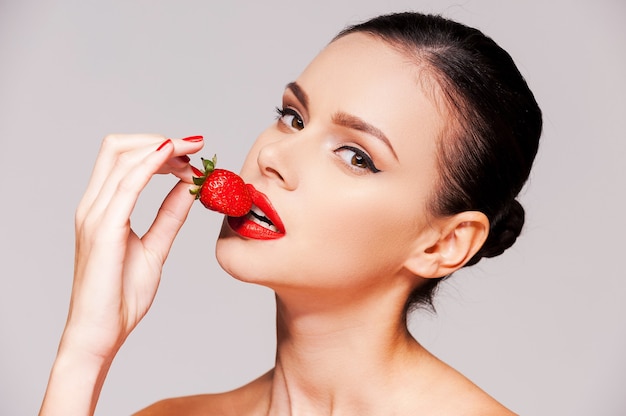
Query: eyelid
(367, 159)
(289, 111)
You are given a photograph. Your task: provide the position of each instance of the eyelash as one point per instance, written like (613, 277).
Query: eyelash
(284, 112)
(365, 158)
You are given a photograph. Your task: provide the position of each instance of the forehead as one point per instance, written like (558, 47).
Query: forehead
(365, 76)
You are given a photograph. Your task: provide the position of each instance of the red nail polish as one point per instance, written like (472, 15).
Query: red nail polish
(165, 143)
(193, 139)
(197, 172)
(184, 158)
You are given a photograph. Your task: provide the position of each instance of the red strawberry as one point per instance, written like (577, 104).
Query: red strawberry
(221, 190)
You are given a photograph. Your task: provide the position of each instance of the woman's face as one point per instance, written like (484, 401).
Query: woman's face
(349, 167)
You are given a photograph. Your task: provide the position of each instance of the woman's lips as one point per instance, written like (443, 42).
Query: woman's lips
(262, 222)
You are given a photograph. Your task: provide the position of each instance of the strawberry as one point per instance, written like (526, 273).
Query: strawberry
(221, 190)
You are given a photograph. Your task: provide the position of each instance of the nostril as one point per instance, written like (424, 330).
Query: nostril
(274, 172)
(275, 164)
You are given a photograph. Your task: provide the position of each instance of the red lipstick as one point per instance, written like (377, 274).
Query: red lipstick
(264, 225)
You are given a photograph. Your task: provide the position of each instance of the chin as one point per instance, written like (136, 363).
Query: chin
(224, 254)
(230, 252)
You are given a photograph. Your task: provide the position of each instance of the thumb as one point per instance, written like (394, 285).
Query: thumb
(169, 220)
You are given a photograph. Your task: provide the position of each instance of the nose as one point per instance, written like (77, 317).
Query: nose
(277, 163)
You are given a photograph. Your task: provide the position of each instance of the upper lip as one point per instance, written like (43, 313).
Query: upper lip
(263, 203)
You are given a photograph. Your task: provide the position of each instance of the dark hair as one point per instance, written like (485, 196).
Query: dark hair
(486, 154)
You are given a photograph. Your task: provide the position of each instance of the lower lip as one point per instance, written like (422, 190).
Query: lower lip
(246, 228)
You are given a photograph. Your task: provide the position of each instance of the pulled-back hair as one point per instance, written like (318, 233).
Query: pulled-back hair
(485, 154)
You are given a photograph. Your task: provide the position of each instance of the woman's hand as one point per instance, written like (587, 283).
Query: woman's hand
(116, 272)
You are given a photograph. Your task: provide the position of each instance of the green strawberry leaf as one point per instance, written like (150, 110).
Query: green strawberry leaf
(209, 165)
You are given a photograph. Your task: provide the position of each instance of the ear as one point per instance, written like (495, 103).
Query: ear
(456, 240)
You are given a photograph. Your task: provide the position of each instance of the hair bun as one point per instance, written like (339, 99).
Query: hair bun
(504, 231)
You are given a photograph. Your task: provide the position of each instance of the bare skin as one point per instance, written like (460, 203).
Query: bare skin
(343, 346)
(436, 389)
(359, 239)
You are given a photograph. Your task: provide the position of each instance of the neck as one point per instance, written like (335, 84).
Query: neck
(335, 352)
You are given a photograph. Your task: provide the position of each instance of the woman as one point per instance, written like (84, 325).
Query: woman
(395, 161)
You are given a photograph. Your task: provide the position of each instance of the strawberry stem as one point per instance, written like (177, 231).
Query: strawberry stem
(208, 166)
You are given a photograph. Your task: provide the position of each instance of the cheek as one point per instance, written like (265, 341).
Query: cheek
(364, 235)
(355, 243)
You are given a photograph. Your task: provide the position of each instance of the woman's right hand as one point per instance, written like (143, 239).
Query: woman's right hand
(116, 271)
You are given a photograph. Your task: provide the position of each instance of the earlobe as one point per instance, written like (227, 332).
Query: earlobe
(459, 238)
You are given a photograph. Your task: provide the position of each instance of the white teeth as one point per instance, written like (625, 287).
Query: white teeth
(258, 217)
(257, 211)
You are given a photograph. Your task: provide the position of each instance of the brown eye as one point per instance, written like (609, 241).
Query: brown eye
(290, 118)
(356, 159)
(297, 123)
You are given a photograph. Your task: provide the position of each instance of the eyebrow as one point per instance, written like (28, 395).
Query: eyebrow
(356, 123)
(299, 93)
(344, 119)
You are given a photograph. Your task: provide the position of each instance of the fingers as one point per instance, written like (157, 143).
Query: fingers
(121, 153)
(170, 218)
(179, 167)
(121, 189)
(117, 273)
(119, 177)
(112, 146)
(112, 247)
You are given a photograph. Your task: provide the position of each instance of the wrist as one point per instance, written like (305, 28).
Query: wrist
(85, 342)
(75, 382)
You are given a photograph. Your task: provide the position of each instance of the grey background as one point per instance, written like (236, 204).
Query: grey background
(541, 328)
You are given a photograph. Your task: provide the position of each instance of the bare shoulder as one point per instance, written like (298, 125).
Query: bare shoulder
(482, 403)
(479, 403)
(466, 400)
(248, 399)
(451, 393)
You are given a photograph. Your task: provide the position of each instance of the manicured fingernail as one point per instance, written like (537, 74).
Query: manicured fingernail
(165, 143)
(197, 172)
(193, 139)
(184, 158)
